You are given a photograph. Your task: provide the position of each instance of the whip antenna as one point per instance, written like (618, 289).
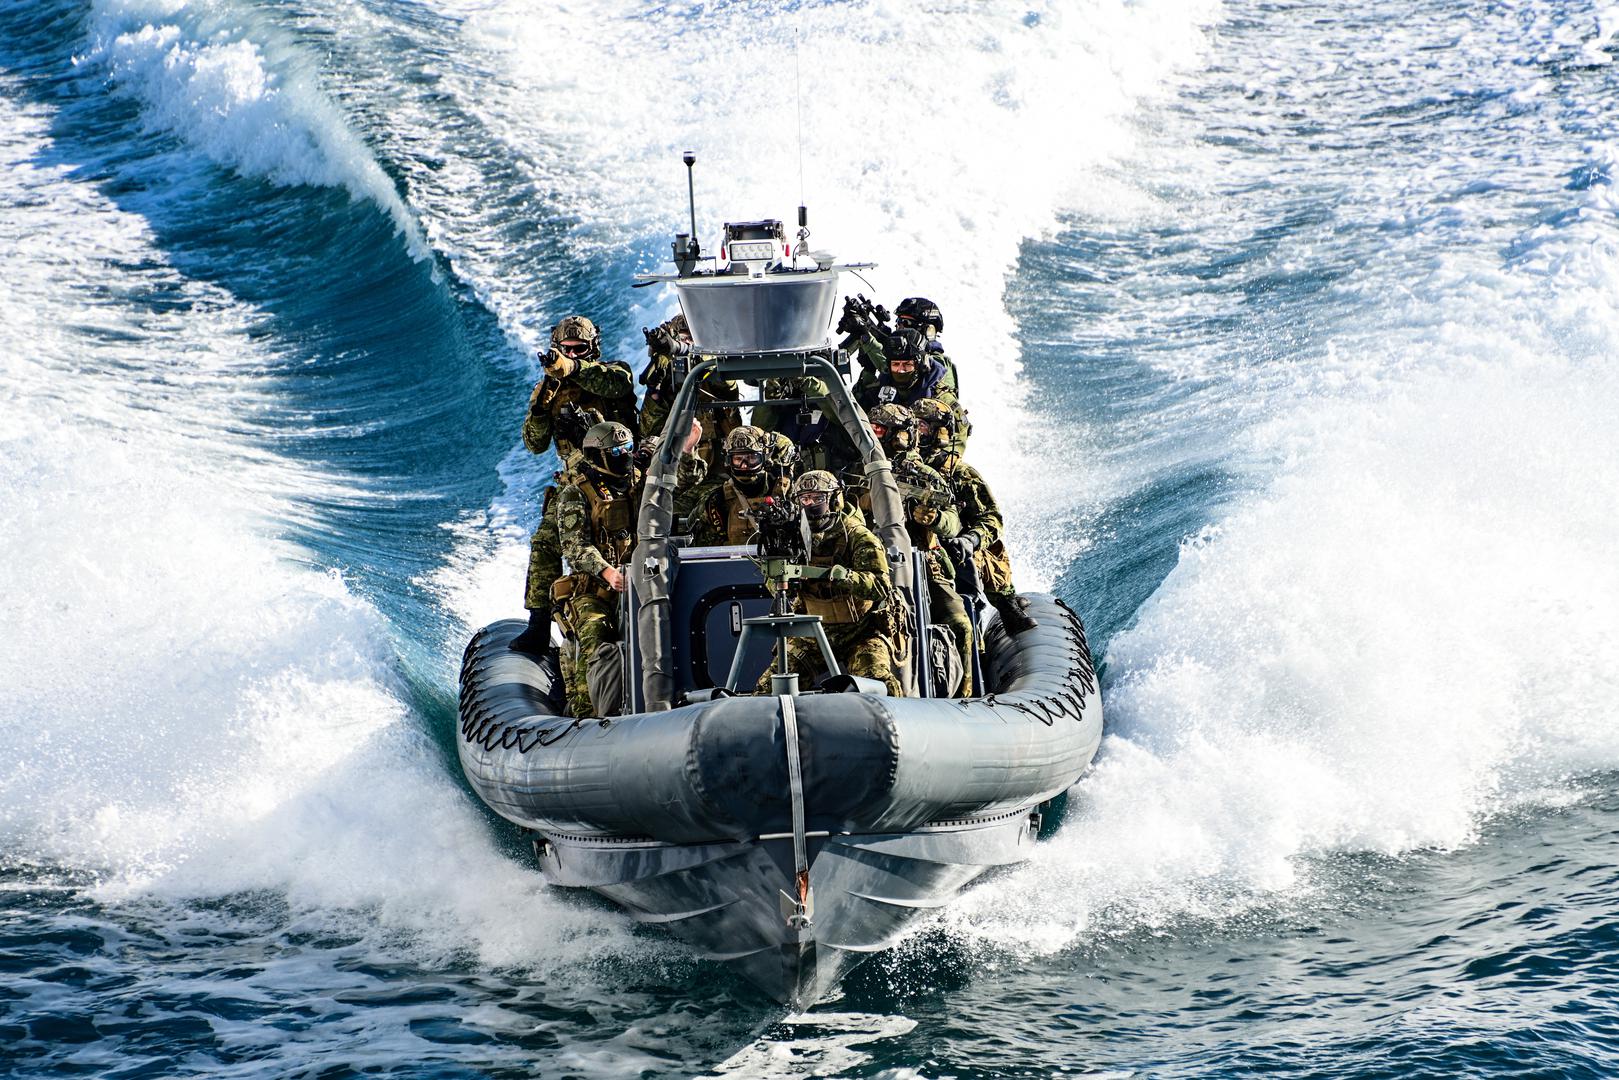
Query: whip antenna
(690, 158)
(798, 105)
(687, 249)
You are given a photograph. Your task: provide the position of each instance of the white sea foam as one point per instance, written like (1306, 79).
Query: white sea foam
(188, 709)
(933, 144)
(222, 78)
(1408, 626)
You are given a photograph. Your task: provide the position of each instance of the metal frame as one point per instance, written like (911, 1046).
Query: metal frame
(657, 559)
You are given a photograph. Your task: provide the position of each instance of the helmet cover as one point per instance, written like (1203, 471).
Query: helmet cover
(820, 495)
(894, 427)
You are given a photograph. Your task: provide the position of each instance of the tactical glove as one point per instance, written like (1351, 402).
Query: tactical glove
(961, 547)
(837, 573)
(660, 341)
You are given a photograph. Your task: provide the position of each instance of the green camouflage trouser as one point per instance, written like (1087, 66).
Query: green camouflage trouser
(995, 569)
(594, 621)
(950, 610)
(863, 652)
(544, 558)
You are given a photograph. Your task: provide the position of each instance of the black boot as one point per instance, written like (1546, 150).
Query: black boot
(1014, 612)
(536, 640)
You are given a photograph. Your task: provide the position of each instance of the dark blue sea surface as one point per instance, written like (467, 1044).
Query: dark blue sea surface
(1287, 330)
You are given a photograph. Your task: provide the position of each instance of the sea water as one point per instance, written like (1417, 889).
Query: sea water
(1287, 331)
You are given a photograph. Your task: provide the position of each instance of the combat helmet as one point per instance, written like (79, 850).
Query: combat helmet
(905, 345)
(919, 313)
(577, 328)
(609, 450)
(935, 423)
(746, 450)
(820, 495)
(782, 456)
(894, 426)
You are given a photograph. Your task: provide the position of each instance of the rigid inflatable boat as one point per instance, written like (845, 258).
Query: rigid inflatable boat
(792, 833)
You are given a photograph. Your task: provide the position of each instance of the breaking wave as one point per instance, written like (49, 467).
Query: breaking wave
(1399, 624)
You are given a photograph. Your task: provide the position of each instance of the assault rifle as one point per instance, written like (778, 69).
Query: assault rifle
(572, 423)
(861, 318)
(660, 340)
(922, 495)
(660, 381)
(916, 487)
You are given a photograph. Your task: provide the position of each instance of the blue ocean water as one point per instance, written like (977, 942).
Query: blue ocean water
(1287, 332)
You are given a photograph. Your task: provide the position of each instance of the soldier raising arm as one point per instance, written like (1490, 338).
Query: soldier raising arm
(658, 377)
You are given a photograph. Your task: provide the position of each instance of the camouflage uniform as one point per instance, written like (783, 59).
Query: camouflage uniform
(922, 489)
(927, 525)
(721, 512)
(545, 547)
(596, 524)
(855, 611)
(981, 519)
(608, 388)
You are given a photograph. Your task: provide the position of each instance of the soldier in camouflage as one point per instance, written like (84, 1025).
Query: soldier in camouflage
(931, 516)
(595, 515)
(980, 537)
(663, 344)
(853, 599)
(545, 546)
(575, 377)
(596, 522)
(757, 467)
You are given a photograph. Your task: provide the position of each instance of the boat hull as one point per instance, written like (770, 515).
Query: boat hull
(687, 817)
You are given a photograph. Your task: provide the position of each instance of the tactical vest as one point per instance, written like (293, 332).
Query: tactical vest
(739, 523)
(738, 511)
(815, 597)
(612, 520)
(557, 393)
(554, 395)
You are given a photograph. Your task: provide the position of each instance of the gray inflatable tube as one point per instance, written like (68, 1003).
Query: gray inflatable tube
(718, 770)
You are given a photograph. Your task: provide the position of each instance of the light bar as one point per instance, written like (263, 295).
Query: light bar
(744, 250)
